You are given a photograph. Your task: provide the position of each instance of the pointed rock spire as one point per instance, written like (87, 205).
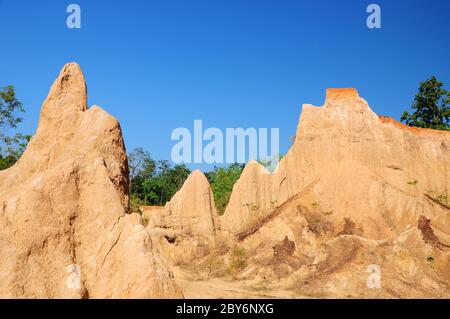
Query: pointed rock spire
(66, 99)
(65, 209)
(194, 205)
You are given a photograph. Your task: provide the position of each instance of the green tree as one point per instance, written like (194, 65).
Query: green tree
(142, 167)
(222, 180)
(11, 145)
(431, 105)
(159, 189)
(141, 163)
(153, 182)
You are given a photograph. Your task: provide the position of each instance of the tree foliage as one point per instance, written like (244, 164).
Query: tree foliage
(431, 105)
(222, 180)
(154, 182)
(11, 145)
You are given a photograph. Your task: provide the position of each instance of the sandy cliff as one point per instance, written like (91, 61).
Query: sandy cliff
(358, 207)
(65, 227)
(187, 227)
(355, 190)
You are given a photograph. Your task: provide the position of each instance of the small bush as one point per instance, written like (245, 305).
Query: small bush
(439, 197)
(222, 180)
(145, 221)
(442, 198)
(135, 203)
(238, 260)
(315, 204)
(328, 213)
(431, 261)
(252, 207)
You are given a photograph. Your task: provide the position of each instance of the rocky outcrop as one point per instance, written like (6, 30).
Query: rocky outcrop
(353, 163)
(65, 227)
(353, 192)
(358, 207)
(188, 224)
(148, 211)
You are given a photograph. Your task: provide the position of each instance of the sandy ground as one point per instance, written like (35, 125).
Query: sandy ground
(218, 288)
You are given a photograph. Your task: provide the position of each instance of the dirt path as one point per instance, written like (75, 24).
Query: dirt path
(219, 288)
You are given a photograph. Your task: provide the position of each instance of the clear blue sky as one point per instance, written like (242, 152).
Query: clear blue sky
(158, 65)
